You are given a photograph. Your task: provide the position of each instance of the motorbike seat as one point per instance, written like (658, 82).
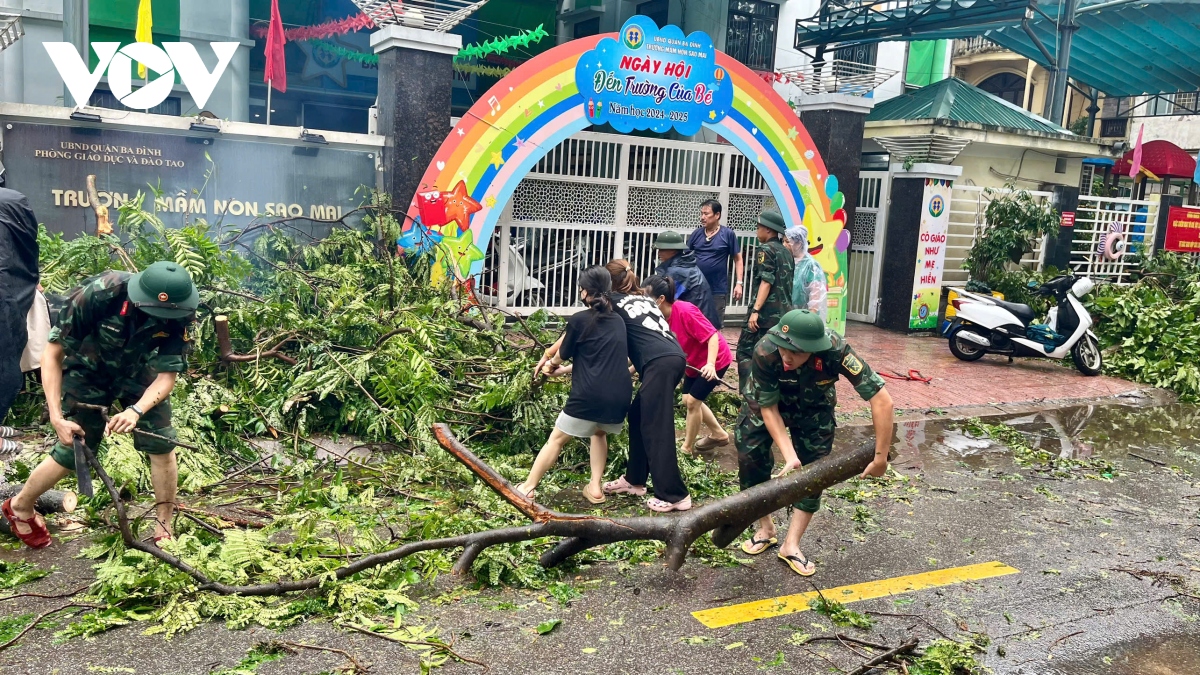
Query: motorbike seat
(1024, 313)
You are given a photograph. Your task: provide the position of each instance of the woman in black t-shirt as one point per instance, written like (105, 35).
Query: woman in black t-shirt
(595, 342)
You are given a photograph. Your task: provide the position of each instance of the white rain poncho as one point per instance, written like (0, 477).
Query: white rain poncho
(810, 288)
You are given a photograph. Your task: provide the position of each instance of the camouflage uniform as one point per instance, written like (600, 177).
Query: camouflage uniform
(114, 351)
(806, 398)
(774, 265)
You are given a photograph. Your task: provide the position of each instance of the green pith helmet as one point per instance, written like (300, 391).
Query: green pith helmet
(670, 241)
(164, 290)
(800, 331)
(772, 220)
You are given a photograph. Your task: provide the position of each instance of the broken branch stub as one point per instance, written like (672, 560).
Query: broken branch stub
(225, 346)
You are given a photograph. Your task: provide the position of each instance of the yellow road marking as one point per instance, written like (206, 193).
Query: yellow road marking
(788, 604)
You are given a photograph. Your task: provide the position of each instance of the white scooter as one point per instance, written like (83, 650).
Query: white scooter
(986, 325)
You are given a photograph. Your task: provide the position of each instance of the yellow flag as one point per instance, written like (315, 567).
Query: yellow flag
(145, 22)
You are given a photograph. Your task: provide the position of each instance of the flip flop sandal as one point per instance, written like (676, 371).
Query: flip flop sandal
(37, 537)
(594, 500)
(708, 442)
(753, 546)
(527, 495)
(8, 447)
(660, 506)
(9, 432)
(798, 563)
(623, 486)
(161, 538)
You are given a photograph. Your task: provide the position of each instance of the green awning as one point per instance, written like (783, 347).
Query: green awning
(953, 99)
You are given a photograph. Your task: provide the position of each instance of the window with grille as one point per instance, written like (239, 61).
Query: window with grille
(751, 35)
(858, 53)
(1188, 102)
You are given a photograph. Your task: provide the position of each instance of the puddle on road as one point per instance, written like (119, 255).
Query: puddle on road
(1147, 436)
(1166, 655)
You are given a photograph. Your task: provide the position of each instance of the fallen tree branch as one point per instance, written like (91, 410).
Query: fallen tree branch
(357, 667)
(885, 657)
(580, 532)
(437, 646)
(103, 227)
(40, 618)
(225, 346)
(67, 594)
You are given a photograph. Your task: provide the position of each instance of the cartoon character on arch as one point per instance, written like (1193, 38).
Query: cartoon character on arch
(640, 78)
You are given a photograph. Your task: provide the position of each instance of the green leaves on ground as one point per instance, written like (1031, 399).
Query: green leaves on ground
(546, 627)
(1037, 459)
(19, 572)
(839, 614)
(947, 657)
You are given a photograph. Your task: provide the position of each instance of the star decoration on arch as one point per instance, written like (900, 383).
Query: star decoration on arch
(497, 160)
(460, 206)
(792, 133)
(455, 255)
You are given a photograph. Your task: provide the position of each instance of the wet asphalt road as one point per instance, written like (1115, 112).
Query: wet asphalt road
(1071, 609)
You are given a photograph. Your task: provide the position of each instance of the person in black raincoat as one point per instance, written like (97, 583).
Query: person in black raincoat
(18, 285)
(677, 262)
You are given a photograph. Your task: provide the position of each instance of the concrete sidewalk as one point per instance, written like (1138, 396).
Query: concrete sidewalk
(990, 381)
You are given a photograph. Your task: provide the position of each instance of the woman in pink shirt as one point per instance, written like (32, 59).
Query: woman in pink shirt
(708, 358)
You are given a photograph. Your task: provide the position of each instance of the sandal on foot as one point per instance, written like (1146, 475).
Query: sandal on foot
(623, 486)
(708, 443)
(754, 545)
(799, 564)
(592, 499)
(660, 506)
(527, 495)
(161, 538)
(37, 537)
(9, 432)
(8, 447)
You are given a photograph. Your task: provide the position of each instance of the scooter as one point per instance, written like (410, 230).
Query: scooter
(986, 325)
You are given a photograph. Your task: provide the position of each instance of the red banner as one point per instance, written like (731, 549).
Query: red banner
(1183, 230)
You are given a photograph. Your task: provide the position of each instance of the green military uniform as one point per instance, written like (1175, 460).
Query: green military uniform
(774, 265)
(806, 398)
(114, 351)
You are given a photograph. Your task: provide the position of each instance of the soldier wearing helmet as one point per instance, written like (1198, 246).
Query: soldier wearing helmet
(789, 399)
(119, 337)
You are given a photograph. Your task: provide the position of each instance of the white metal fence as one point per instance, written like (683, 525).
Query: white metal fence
(596, 197)
(968, 219)
(1099, 218)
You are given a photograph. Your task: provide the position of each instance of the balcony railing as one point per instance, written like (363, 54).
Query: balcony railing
(975, 45)
(11, 29)
(837, 77)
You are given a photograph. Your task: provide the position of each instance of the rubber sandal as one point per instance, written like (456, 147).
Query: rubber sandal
(622, 486)
(37, 537)
(708, 443)
(8, 447)
(527, 495)
(592, 499)
(660, 506)
(754, 546)
(9, 432)
(161, 538)
(798, 563)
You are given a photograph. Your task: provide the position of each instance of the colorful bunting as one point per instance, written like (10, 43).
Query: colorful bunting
(321, 31)
(488, 71)
(501, 45)
(346, 53)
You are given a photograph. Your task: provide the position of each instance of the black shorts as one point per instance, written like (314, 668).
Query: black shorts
(698, 386)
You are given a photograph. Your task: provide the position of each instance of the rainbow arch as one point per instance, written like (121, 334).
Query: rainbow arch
(537, 106)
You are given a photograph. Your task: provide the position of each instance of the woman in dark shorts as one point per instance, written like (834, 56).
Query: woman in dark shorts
(708, 357)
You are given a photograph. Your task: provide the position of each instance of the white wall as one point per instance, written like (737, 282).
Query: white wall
(1182, 130)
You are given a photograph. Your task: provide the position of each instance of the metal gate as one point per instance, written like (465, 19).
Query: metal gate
(866, 242)
(598, 196)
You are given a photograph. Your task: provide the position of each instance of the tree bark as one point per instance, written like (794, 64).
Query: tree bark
(53, 501)
(225, 345)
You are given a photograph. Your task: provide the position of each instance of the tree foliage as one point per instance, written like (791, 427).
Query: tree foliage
(381, 354)
(1015, 221)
